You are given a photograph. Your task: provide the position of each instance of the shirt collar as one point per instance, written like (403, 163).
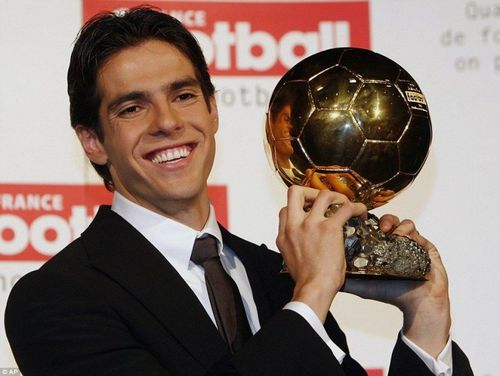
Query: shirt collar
(173, 239)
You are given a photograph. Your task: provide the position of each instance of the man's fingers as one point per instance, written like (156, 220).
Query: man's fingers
(348, 210)
(407, 228)
(283, 214)
(324, 200)
(319, 202)
(429, 247)
(388, 222)
(297, 199)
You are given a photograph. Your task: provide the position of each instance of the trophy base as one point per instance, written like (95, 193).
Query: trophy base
(373, 254)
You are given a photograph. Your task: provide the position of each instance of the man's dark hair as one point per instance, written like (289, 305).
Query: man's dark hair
(108, 33)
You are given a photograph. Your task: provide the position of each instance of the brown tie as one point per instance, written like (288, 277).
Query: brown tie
(223, 293)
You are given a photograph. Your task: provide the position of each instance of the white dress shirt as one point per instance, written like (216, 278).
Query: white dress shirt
(175, 242)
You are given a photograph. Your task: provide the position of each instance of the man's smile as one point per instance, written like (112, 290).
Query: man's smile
(170, 154)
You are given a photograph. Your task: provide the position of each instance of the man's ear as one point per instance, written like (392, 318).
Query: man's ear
(214, 113)
(93, 147)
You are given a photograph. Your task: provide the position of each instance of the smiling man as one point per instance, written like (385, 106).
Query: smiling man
(155, 286)
(157, 131)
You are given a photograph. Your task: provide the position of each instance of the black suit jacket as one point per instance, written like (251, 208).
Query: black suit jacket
(110, 304)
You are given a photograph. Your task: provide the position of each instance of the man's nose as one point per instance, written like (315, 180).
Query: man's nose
(166, 120)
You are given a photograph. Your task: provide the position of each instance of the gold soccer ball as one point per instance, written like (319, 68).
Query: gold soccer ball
(349, 120)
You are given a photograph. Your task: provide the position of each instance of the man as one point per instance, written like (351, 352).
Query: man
(125, 298)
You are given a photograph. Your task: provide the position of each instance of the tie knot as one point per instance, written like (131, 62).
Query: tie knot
(204, 249)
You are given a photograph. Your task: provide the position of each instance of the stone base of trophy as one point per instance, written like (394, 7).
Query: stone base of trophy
(371, 253)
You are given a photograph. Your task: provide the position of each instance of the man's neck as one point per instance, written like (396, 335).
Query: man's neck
(191, 214)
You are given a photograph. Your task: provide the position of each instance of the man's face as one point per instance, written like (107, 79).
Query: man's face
(158, 131)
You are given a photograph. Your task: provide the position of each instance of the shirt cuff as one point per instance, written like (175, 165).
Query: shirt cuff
(442, 366)
(308, 314)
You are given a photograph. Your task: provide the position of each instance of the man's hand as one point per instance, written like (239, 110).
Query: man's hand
(312, 245)
(425, 305)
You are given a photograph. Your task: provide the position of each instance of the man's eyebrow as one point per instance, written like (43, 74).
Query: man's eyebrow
(133, 95)
(182, 83)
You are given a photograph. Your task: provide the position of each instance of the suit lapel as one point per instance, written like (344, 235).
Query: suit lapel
(246, 253)
(122, 253)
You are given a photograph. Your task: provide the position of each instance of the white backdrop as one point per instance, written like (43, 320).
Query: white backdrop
(451, 47)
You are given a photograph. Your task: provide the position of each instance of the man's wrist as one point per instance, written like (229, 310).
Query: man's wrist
(319, 299)
(428, 326)
(441, 365)
(431, 336)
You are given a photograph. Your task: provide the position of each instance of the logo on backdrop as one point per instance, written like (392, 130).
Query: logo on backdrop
(261, 39)
(37, 221)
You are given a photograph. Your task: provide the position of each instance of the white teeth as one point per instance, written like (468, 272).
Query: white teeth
(172, 154)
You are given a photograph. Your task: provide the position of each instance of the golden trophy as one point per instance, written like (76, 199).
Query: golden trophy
(355, 122)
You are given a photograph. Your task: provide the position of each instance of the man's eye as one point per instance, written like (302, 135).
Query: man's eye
(185, 96)
(130, 110)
